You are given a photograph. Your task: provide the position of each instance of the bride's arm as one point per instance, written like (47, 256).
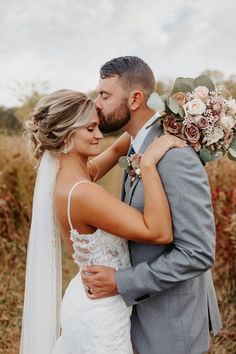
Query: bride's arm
(101, 164)
(101, 210)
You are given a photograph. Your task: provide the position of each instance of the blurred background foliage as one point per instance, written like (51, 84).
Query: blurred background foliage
(16, 189)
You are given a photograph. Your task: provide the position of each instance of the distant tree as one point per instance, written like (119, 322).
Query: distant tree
(219, 78)
(27, 106)
(9, 124)
(163, 88)
(92, 94)
(230, 85)
(28, 95)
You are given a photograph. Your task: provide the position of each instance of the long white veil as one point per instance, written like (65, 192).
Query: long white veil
(41, 323)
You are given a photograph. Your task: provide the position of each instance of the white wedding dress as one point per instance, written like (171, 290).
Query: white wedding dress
(99, 326)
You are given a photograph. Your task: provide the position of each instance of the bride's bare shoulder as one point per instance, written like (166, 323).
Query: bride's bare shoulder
(83, 192)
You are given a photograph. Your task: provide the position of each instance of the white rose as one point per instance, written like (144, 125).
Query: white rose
(201, 92)
(194, 107)
(228, 122)
(216, 135)
(197, 119)
(138, 171)
(232, 106)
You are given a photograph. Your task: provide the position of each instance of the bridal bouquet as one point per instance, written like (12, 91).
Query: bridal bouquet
(201, 114)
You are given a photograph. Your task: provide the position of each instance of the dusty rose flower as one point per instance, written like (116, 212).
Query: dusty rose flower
(218, 106)
(203, 123)
(201, 92)
(135, 161)
(228, 139)
(194, 107)
(192, 133)
(228, 122)
(180, 97)
(172, 126)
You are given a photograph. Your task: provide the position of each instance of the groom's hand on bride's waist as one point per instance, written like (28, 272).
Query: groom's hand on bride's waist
(99, 281)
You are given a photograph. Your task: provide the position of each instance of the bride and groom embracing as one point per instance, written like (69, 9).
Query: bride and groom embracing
(144, 284)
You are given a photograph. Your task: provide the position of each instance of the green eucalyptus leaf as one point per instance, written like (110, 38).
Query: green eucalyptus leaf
(164, 98)
(173, 105)
(205, 155)
(190, 82)
(204, 80)
(155, 102)
(233, 144)
(181, 112)
(123, 163)
(180, 85)
(232, 154)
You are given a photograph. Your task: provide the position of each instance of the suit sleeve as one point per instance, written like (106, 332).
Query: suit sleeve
(186, 185)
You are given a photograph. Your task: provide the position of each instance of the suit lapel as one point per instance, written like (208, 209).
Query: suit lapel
(155, 131)
(124, 178)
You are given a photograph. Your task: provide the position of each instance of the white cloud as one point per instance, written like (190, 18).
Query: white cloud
(66, 42)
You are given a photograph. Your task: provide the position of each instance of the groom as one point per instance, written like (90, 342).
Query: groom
(170, 286)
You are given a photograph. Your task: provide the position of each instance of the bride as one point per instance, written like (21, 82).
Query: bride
(64, 137)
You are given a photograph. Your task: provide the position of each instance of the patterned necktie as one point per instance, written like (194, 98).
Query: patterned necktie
(131, 151)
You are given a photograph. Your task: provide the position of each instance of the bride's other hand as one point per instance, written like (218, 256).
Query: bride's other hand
(159, 148)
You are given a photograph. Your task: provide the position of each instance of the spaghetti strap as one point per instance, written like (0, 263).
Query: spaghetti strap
(69, 197)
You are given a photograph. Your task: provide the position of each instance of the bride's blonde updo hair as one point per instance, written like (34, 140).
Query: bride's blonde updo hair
(54, 119)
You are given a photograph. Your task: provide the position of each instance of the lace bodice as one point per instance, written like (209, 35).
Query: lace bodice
(100, 247)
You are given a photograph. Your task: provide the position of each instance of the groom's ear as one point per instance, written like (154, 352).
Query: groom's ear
(136, 99)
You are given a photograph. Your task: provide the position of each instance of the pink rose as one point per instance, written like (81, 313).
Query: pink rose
(136, 159)
(218, 106)
(201, 92)
(228, 139)
(172, 126)
(192, 133)
(203, 123)
(180, 97)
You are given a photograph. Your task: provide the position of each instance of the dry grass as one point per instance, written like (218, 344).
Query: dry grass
(16, 188)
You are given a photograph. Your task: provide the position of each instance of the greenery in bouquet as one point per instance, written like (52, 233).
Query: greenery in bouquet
(200, 113)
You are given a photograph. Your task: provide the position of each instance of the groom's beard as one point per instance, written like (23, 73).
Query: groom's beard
(115, 120)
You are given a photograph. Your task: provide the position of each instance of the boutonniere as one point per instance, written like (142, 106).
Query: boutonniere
(132, 165)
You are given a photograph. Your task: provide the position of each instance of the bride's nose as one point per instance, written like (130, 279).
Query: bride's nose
(98, 134)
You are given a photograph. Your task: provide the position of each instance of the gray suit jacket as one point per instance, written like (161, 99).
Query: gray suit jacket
(171, 285)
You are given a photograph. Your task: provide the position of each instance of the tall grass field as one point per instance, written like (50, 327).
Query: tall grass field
(16, 188)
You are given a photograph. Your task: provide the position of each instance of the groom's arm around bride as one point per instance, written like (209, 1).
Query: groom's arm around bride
(170, 286)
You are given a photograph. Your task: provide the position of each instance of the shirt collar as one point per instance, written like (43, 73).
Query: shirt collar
(143, 132)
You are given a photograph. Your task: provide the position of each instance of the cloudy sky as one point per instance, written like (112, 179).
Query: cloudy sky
(65, 42)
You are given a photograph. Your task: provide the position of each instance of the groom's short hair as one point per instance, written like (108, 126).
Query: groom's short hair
(133, 72)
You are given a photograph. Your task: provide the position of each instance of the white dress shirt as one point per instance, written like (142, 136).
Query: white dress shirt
(143, 132)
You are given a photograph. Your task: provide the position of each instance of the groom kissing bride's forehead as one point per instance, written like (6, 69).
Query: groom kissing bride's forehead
(170, 286)
(124, 87)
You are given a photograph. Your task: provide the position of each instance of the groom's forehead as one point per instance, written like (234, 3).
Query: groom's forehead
(109, 84)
